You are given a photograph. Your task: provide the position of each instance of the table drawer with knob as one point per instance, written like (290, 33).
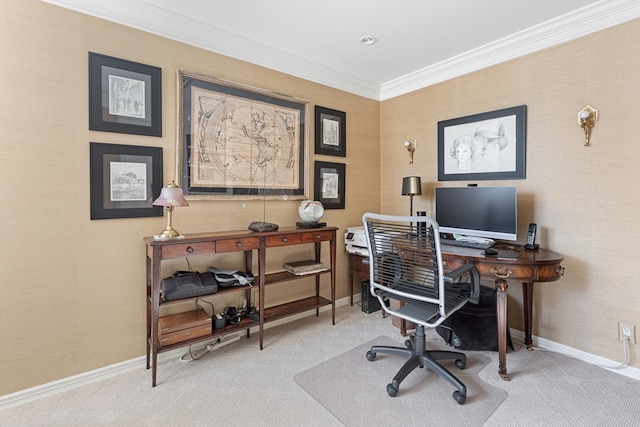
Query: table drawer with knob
(283, 240)
(504, 271)
(317, 236)
(451, 264)
(358, 263)
(188, 249)
(242, 244)
(550, 272)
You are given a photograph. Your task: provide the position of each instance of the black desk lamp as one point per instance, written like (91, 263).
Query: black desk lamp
(411, 186)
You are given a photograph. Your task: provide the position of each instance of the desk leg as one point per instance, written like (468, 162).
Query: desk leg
(527, 296)
(351, 293)
(501, 308)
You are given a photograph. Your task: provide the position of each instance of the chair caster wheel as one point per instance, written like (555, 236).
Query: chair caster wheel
(392, 390)
(461, 364)
(457, 396)
(409, 344)
(371, 356)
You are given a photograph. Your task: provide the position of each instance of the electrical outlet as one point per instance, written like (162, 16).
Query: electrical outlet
(627, 332)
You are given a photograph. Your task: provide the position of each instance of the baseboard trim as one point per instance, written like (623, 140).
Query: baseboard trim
(548, 345)
(64, 384)
(54, 387)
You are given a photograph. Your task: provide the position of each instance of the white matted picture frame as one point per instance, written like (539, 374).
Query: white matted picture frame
(485, 146)
(331, 132)
(124, 96)
(124, 180)
(329, 188)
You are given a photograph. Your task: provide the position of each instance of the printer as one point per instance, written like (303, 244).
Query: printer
(356, 241)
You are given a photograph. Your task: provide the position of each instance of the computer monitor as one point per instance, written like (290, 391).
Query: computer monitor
(489, 212)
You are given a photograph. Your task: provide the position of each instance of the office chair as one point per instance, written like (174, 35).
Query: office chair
(406, 265)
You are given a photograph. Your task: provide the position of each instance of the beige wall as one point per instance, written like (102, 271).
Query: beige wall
(72, 289)
(585, 200)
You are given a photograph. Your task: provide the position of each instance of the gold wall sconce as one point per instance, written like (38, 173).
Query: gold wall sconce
(587, 118)
(410, 145)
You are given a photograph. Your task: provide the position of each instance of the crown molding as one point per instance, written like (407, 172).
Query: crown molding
(152, 18)
(584, 21)
(149, 17)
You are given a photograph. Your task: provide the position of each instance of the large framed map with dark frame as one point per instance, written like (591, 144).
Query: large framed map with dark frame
(240, 142)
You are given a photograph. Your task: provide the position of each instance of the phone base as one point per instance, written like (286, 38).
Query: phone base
(532, 247)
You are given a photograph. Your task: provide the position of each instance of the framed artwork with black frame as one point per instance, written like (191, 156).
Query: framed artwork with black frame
(485, 146)
(331, 132)
(125, 180)
(329, 185)
(240, 142)
(124, 96)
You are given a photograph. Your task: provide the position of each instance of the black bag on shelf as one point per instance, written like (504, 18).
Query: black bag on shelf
(187, 284)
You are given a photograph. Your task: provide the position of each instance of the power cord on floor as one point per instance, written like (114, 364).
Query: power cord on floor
(190, 356)
(620, 366)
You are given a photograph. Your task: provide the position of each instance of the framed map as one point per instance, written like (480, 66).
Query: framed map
(237, 141)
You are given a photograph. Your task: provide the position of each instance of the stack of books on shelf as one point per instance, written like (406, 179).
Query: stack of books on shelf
(304, 267)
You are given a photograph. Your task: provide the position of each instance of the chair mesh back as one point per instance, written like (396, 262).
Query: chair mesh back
(404, 256)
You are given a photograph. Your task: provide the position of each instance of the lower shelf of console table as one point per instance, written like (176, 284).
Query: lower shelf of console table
(296, 307)
(245, 324)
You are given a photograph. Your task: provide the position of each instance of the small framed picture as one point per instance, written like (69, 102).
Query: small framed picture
(483, 146)
(329, 184)
(125, 180)
(124, 96)
(331, 132)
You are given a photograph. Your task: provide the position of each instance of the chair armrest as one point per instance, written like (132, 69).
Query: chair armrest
(474, 297)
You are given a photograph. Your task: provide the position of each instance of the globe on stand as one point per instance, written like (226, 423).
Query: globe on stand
(310, 211)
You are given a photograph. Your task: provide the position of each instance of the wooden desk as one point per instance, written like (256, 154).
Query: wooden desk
(532, 266)
(359, 267)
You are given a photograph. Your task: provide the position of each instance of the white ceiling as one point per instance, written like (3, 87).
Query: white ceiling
(420, 42)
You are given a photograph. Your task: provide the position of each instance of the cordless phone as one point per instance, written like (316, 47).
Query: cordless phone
(531, 237)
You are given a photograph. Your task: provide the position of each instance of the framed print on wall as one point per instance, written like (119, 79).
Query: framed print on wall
(125, 180)
(331, 132)
(236, 141)
(124, 96)
(485, 146)
(329, 185)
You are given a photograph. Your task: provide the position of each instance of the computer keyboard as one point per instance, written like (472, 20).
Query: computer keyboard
(475, 244)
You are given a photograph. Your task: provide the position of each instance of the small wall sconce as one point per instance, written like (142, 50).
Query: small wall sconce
(587, 118)
(410, 145)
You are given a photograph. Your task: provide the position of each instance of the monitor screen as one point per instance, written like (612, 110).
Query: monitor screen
(489, 212)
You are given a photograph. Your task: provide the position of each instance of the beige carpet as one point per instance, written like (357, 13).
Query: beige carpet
(241, 385)
(353, 389)
(550, 389)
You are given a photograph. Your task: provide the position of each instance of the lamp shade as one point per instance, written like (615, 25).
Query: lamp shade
(171, 195)
(411, 186)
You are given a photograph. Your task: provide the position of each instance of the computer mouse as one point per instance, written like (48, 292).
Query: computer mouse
(490, 252)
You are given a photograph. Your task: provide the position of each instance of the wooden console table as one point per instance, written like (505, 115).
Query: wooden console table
(532, 266)
(234, 241)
